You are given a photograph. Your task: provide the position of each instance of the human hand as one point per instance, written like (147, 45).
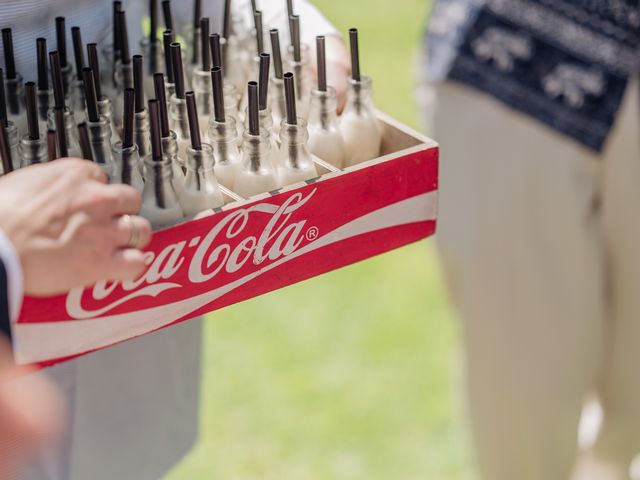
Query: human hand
(71, 229)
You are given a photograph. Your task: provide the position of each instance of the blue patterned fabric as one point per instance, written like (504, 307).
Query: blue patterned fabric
(563, 62)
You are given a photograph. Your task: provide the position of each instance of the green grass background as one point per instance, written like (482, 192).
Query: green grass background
(351, 375)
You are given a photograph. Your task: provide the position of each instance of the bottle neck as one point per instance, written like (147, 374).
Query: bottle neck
(158, 188)
(100, 139)
(360, 96)
(323, 111)
(294, 140)
(128, 159)
(200, 161)
(256, 150)
(170, 145)
(33, 151)
(201, 81)
(294, 135)
(223, 132)
(264, 116)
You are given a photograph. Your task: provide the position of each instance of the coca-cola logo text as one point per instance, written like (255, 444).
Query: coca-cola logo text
(227, 247)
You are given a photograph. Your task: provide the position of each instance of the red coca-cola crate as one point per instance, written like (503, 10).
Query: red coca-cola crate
(247, 248)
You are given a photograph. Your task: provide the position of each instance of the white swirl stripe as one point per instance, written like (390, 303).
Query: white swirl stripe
(41, 342)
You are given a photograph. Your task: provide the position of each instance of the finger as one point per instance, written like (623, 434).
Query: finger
(131, 231)
(126, 264)
(104, 202)
(126, 200)
(82, 168)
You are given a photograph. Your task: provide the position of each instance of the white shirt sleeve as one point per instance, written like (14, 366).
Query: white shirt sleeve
(15, 288)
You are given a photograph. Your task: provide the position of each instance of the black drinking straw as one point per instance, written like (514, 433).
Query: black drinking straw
(168, 17)
(78, 52)
(153, 18)
(161, 95)
(138, 82)
(127, 118)
(294, 20)
(257, 19)
(254, 119)
(178, 71)
(218, 94)
(94, 64)
(43, 74)
(9, 59)
(216, 51)
(117, 7)
(32, 111)
(125, 54)
(167, 39)
(263, 81)
(3, 102)
(85, 146)
(290, 96)
(61, 137)
(5, 152)
(52, 154)
(322, 64)
(253, 6)
(90, 95)
(197, 13)
(194, 124)
(290, 8)
(226, 25)
(156, 139)
(204, 44)
(197, 39)
(355, 54)
(275, 50)
(56, 76)
(61, 39)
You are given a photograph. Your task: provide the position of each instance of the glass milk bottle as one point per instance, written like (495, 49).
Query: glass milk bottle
(325, 139)
(257, 174)
(159, 199)
(201, 191)
(224, 139)
(296, 160)
(359, 125)
(128, 166)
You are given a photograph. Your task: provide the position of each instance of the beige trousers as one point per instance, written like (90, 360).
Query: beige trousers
(540, 242)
